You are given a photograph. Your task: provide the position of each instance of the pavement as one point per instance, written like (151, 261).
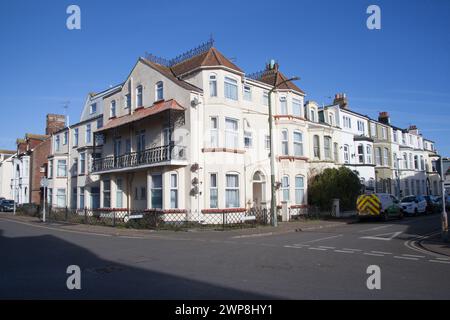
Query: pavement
(298, 260)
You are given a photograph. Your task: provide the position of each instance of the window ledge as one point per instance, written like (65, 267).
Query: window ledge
(223, 150)
(288, 116)
(292, 158)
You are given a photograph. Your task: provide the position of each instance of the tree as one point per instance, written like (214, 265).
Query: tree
(342, 183)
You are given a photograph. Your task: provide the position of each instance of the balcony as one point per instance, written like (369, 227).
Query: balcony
(157, 156)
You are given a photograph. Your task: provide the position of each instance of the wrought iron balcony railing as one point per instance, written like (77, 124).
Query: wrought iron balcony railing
(141, 158)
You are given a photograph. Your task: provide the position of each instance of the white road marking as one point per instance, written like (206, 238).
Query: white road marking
(443, 259)
(295, 247)
(300, 245)
(407, 258)
(376, 228)
(255, 235)
(327, 247)
(439, 261)
(379, 236)
(348, 249)
(381, 252)
(321, 239)
(343, 251)
(412, 256)
(373, 254)
(320, 249)
(411, 244)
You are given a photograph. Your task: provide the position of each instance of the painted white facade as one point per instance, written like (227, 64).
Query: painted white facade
(355, 145)
(6, 174)
(70, 182)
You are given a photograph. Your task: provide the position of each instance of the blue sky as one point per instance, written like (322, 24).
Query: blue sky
(404, 68)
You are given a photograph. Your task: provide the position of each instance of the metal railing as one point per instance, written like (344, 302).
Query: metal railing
(162, 219)
(135, 159)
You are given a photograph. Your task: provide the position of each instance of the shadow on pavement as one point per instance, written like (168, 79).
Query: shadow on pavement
(35, 268)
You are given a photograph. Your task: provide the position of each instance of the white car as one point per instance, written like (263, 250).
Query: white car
(413, 205)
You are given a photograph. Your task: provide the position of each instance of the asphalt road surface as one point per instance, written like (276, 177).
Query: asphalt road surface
(329, 263)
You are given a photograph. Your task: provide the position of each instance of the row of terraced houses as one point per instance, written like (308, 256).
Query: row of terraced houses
(192, 133)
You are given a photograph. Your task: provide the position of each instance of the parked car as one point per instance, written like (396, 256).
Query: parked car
(378, 205)
(433, 204)
(6, 205)
(413, 205)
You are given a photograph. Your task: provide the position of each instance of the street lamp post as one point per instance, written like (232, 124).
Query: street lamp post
(398, 177)
(444, 213)
(273, 203)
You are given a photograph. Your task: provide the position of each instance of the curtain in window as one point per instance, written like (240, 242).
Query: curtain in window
(232, 191)
(231, 138)
(212, 86)
(284, 143)
(285, 188)
(316, 144)
(296, 107)
(231, 91)
(156, 191)
(298, 144)
(61, 198)
(299, 190)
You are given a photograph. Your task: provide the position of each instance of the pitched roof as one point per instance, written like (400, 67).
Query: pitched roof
(167, 72)
(274, 77)
(142, 113)
(210, 58)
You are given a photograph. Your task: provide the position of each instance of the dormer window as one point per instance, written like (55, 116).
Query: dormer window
(312, 115)
(93, 108)
(159, 91)
(113, 109)
(139, 101)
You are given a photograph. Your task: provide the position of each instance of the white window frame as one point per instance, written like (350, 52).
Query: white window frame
(247, 92)
(231, 89)
(139, 96)
(298, 144)
(174, 198)
(299, 189)
(283, 106)
(285, 186)
(113, 111)
(232, 189)
(296, 107)
(213, 188)
(213, 85)
(159, 91)
(214, 131)
(231, 136)
(284, 142)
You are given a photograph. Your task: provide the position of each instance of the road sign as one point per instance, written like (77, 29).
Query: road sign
(44, 182)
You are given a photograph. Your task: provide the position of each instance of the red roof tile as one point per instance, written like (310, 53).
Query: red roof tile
(142, 113)
(210, 58)
(273, 77)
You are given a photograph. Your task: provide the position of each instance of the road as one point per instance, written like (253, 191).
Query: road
(327, 263)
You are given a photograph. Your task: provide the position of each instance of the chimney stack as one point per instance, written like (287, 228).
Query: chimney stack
(413, 129)
(341, 100)
(383, 117)
(55, 122)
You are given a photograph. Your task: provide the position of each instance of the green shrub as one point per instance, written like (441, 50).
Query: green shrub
(342, 183)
